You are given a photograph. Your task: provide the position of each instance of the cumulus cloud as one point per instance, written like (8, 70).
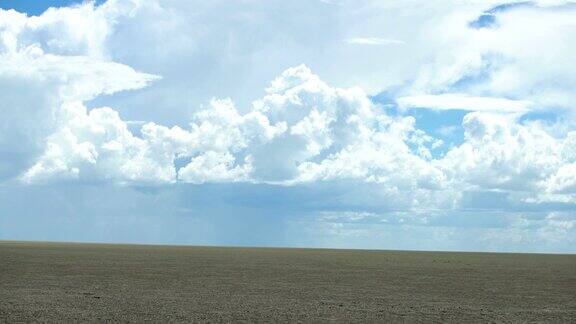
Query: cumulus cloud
(564, 180)
(501, 154)
(47, 62)
(97, 146)
(302, 131)
(77, 30)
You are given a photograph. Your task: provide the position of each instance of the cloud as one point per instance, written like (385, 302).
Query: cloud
(373, 41)
(500, 154)
(97, 146)
(450, 101)
(235, 57)
(306, 132)
(303, 130)
(501, 61)
(47, 62)
(564, 180)
(77, 30)
(181, 109)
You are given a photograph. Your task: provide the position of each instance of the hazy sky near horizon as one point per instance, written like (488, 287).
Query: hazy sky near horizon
(429, 125)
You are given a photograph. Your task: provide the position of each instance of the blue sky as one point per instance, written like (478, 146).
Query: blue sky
(308, 123)
(35, 7)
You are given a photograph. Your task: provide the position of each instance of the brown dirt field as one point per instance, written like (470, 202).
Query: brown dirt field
(56, 282)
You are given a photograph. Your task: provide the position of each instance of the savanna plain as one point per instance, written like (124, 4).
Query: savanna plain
(69, 282)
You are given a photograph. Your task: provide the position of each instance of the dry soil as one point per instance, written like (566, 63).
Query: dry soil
(63, 282)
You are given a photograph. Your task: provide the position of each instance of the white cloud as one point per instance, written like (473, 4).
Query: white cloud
(523, 55)
(236, 55)
(77, 77)
(451, 101)
(77, 30)
(564, 180)
(302, 131)
(212, 166)
(45, 62)
(373, 41)
(97, 146)
(501, 154)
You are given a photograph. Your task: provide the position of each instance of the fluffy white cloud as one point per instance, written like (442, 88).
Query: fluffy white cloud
(97, 146)
(564, 180)
(500, 153)
(45, 63)
(303, 131)
(78, 30)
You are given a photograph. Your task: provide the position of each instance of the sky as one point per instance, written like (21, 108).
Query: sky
(412, 125)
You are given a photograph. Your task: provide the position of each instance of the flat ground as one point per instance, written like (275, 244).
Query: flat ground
(88, 282)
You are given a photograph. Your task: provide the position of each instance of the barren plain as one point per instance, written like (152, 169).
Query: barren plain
(68, 282)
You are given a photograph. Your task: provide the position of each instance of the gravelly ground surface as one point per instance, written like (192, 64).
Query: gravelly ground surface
(55, 282)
